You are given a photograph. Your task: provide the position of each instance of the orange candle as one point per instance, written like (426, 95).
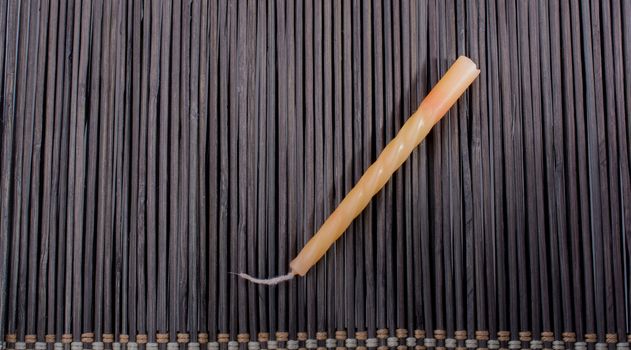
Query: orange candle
(435, 105)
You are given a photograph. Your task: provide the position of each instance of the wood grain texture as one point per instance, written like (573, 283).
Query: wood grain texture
(149, 149)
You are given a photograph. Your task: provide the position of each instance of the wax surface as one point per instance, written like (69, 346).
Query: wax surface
(435, 105)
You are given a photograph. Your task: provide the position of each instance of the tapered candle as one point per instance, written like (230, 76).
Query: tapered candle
(435, 105)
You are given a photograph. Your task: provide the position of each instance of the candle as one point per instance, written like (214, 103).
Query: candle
(453, 84)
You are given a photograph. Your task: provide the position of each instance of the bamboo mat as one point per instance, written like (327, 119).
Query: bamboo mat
(148, 149)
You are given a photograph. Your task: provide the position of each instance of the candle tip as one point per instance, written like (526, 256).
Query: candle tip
(266, 281)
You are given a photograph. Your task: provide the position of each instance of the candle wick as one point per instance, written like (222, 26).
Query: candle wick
(266, 281)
